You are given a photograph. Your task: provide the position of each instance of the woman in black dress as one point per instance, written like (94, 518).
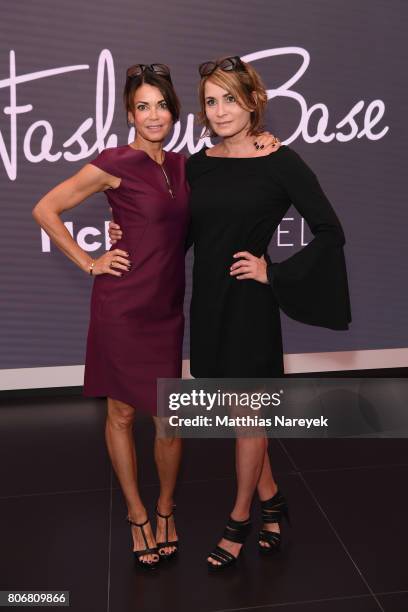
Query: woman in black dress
(238, 198)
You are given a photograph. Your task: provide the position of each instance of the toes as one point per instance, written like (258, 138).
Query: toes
(167, 550)
(212, 561)
(149, 559)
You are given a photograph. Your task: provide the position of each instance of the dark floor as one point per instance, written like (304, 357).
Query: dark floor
(62, 520)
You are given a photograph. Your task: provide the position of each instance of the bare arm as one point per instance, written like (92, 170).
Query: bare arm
(67, 195)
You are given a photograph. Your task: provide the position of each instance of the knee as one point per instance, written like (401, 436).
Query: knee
(165, 433)
(245, 443)
(168, 442)
(120, 416)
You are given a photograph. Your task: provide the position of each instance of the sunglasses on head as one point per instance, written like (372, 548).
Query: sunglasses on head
(138, 69)
(227, 64)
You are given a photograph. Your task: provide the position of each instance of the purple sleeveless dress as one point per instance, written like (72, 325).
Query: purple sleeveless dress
(137, 322)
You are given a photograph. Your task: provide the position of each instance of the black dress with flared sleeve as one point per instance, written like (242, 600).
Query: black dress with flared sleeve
(236, 205)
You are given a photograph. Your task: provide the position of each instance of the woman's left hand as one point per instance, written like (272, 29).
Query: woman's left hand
(266, 140)
(249, 266)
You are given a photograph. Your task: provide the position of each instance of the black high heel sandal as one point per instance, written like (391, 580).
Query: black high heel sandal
(273, 510)
(235, 531)
(167, 542)
(137, 554)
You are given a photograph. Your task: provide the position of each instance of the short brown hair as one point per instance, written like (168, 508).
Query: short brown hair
(242, 84)
(156, 80)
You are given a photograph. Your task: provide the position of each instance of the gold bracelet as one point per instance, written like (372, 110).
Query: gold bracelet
(91, 267)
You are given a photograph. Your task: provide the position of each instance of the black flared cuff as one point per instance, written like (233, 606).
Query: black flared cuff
(269, 273)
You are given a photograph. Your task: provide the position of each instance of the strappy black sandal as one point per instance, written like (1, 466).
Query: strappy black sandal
(167, 542)
(148, 565)
(273, 510)
(235, 531)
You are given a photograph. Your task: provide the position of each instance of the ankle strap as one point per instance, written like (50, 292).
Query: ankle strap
(165, 516)
(237, 531)
(137, 524)
(273, 508)
(276, 500)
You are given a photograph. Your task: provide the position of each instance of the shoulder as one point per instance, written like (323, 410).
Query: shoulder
(287, 156)
(196, 157)
(112, 152)
(178, 159)
(289, 163)
(195, 164)
(107, 159)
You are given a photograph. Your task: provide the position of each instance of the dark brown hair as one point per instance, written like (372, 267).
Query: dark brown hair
(156, 80)
(247, 88)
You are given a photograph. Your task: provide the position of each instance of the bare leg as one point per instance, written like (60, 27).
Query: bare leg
(167, 454)
(121, 448)
(267, 487)
(249, 458)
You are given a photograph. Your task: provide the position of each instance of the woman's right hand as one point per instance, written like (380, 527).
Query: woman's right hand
(112, 262)
(114, 231)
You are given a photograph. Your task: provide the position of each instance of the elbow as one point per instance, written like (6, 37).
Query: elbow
(339, 238)
(333, 235)
(38, 213)
(36, 216)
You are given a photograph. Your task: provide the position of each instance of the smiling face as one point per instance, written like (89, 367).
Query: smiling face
(225, 115)
(151, 116)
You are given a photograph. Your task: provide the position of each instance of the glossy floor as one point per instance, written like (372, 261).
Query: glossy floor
(62, 520)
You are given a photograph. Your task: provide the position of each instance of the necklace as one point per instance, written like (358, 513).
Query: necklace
(162, 169)
(167, 181)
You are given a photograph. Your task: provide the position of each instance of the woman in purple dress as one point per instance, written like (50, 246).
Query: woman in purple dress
(136, 324)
